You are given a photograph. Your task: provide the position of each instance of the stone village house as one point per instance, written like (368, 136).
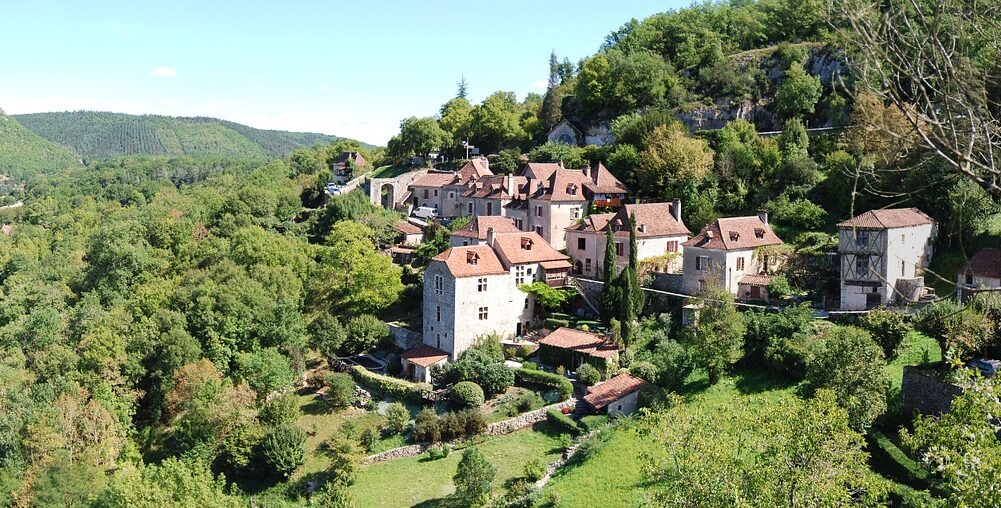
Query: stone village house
(982, 272)
(729, 253)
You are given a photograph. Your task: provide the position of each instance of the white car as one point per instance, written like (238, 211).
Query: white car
(425, 212)
(334, 189)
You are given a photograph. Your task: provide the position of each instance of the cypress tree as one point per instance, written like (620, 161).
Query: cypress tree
(635, 291)
(610, 291)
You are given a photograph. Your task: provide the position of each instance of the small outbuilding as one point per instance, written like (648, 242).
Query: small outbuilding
(982, 272)
(417, 362)
(571, 348)
(617, 396)
(408, 233)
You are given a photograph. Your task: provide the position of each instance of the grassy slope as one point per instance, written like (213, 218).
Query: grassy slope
(23, 152)
(418, 480)
(104, 135)
(917, 349)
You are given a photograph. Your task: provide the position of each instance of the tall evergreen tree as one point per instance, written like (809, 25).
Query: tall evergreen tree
(635, 294)
(462, 88)
(551, 104)
(633, 260)
(610, 293)
(608, 270)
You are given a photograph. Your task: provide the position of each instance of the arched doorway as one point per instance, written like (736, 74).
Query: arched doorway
(387, 196)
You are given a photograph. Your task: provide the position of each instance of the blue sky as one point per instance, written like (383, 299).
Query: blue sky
(350, 68)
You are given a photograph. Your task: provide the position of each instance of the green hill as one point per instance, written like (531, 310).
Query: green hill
(100, 135)
(23, 152)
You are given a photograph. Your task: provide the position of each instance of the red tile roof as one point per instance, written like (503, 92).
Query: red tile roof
(578, 340)
(755, 280)
(593, 223)
(477, 228)
(472, 170)
(471, 261)
(652, 220)
(518, 248)
(888, 219)
(542, 170)
(735, 233)
(434, 180)
(408, 228)
(603, 394)
(425, 355)
(986, 263)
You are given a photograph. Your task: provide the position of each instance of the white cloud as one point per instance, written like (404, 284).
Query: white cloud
(540, 84)
(164, 71)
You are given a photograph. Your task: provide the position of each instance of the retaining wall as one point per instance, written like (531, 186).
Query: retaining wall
(925, 393)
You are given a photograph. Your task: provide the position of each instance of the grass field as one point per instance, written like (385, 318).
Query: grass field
(419, 481)
(917, 349)
(389, 171)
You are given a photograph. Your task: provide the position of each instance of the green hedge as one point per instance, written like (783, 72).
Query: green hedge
(554, 323)
(889, 458)
(562, 422)
(390, 386)
(542, 378)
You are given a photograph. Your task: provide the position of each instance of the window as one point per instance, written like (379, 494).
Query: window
(619, 249)
(437, 312)
(470, 208)
(862, 265)
(969, 278)
(436, 193)
(620, 407)
(538, 210)
(425, 193)
(538, 230)
(437, 337)
(740, 263)
(451, 195)
(481, 284)
(519, 274)
(520, 224)
(903, 268)
(575, 213)
(465, 243)
(581, 243)
(490, 208)
(439, 284)
(702, 263)
(862, 238)
(483, 313)
(672, 246)
(587, 264)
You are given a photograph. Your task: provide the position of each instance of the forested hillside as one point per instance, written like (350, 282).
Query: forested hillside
(99, 135)
(23, 152)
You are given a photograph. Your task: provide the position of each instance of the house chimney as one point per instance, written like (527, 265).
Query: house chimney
(676, 209)
(510, 185)
(763, 215)
(490, 236)
(587, 169)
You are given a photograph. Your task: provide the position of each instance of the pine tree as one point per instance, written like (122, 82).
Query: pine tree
(610, 292)
(551, 104)
(462, 88)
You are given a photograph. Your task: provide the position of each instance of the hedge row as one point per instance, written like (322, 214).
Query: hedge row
(562, 421)
(553, 323)
(542, 378)
(886, 455)
(389, 386)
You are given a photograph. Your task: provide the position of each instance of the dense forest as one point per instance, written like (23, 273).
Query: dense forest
(164, 308)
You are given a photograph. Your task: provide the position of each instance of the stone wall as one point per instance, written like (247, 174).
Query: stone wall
(671, 282)
(397, 453)
(404, 338)
(921, 391)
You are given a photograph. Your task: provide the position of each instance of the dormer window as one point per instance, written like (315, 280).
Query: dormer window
(526, 243)
(641, 228)
(472, 258)
(759, 232)
(734, 236)
(572, 189)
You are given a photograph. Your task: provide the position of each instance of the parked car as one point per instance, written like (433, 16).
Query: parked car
(986, 367)
(425, 212)
(333, 189)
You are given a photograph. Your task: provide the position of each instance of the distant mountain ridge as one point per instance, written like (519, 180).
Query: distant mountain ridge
(102, 135)
(23, 153)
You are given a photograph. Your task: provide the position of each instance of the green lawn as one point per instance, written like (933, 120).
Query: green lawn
(389, 171)
(421, 481)
(917, 349)
(617, 460)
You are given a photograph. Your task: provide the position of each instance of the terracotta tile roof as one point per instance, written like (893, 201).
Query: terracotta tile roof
(555, 265)
(495, 187)
(472, 170)
(564, 185)
(471, 261)
(593, 223)
(425, 355)
(344, 157)
(477, 228)
(434, 179)
(603, 394)
(605, 182)
(541, 170)
(652, 220)
(407, 228)
(888, 218)
(755, 280)
(518, 248)
(569, 338)
(605, 351)
(735, 233)
(569, 184)
(986, 263)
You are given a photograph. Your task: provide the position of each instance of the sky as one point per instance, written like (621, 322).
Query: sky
(352, 69)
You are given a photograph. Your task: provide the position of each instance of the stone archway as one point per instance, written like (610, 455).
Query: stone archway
(387, 195)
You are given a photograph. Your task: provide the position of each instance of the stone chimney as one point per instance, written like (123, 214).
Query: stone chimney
(587, 169)
(510, 185)
(763, 215)
(676, 209)
(490, 236)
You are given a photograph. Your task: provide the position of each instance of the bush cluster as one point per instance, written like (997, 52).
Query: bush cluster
(562, 422)
(486, 370)
(389, 386)
(542, 378)
(588, 374)
(466, 394)
(434, 428)
(340, 389)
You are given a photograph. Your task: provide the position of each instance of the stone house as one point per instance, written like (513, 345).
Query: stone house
(884, 254)
(475, 233)
(982, 272)
(660, 231)
(408, 233)
(342, 167)
(417, 362)
(441, 190)
(473, 290)
(728, 253)
(572, 348)
(617, 396)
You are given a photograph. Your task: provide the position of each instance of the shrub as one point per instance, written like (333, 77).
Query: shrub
(340, 389)
(562, 422)
(283, 449)
(474, 422)
(790, 356)
(542, 378)
(526, 401)
(490, 345)
(887, 328)
(368, 438)
(895, 461)
(390, 386)
(496, 378)
(779, 287)
(279, 411)
(588, 374)
(473, 478)
(427, 426)
(466, 394)
(644, 370)
(530, 366)
(524, 351)
(397, 418)
(594, 422)
(363, 333)
(535, 469)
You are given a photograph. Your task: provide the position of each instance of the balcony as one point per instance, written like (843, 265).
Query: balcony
(610, 202)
